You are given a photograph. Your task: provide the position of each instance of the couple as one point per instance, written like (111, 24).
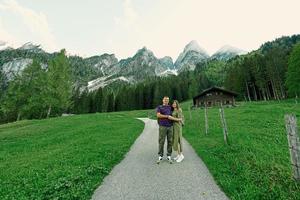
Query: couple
(170, 120)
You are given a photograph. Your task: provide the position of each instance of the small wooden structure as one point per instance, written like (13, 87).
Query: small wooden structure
(215, 96)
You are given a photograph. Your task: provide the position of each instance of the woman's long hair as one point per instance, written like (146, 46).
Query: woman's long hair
(177, 105)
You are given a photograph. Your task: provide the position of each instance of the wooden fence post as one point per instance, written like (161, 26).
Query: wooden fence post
(206, 119)
(224, 125)
(294, 144)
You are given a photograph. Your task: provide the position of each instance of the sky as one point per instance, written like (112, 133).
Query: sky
(121, 27)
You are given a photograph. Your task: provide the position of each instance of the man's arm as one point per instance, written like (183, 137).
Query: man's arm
(161, 115)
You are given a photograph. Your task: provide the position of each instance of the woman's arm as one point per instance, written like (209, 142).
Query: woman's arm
(174, 118)
(180, 115)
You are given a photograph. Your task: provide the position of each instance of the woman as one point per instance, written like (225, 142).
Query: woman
(177, 117)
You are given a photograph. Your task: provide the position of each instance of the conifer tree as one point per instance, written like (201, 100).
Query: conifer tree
(293, 73)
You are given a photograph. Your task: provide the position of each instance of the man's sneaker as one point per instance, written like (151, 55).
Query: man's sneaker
(181, 157)
(159, 159)
(176, 157)
(169, 159)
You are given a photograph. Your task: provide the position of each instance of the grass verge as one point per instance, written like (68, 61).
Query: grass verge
(65, 157)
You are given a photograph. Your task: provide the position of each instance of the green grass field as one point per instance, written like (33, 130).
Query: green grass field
(68, 157)
(256, 164)
(63, 158)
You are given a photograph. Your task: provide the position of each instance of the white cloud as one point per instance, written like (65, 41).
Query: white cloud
(127, 31)
(36, 22)
(129, 17)
(6, 37)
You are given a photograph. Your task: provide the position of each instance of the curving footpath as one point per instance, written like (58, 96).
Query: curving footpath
(139, 177)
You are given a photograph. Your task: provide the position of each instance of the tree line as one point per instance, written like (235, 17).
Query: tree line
(38, 92)
(144, 95)
(262, 74)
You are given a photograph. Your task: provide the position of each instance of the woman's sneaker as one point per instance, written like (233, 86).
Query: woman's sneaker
(176, 157)
(159, 159)
(181, 157)
(169, 159)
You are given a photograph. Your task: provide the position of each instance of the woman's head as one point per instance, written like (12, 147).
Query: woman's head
(176, 105)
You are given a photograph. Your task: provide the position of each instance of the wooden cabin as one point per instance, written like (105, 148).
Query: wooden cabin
(215, 96)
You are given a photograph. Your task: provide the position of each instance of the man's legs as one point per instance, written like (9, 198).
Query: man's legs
(161, 140)
(170, 140)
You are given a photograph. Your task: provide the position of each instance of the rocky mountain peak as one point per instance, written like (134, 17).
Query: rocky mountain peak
(191, 55)
(144, 52)
(228, 48)
(194, 46)
(226, 52)
(31, 47)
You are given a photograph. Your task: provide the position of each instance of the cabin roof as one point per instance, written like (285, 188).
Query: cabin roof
(215, 88)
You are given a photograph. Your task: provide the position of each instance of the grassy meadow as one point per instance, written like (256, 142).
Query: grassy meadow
(65, 157)
(256, 163)
(68, 157)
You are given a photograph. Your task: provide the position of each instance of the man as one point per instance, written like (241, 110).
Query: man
(165, 129)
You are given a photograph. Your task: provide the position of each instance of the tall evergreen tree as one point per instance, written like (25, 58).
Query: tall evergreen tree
(35, 106)
(2, 84)
(110, 102)
(84, 102)
(76, 100)
(176, 92)
(92, 102)
(59, 84)
(14, 99)
(158, 94)
(293, 74)
(25, 97)
(99, 100)
(139, 96)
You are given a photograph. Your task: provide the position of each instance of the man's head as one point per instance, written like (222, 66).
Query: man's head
(165, 100)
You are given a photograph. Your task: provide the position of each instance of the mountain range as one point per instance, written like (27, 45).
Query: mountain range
(103, 70)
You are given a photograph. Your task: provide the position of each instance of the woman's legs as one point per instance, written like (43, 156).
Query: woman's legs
(181, 157)
(179, 145)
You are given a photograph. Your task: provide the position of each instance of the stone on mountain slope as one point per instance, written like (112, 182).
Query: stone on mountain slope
(167, 62)
(107, 80)
(103, 64)
(15, 67)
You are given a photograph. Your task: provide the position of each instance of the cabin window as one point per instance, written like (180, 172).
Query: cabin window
(208, 94)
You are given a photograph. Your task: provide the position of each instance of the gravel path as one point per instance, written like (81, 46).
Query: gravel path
(139, 177)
